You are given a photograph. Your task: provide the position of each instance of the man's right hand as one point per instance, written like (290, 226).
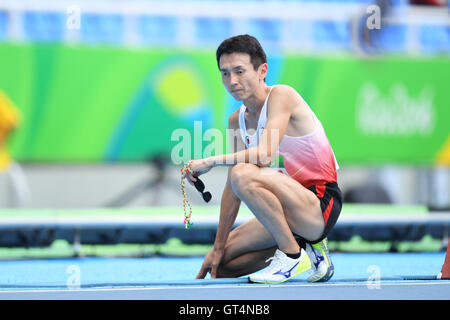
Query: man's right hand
(211, 263)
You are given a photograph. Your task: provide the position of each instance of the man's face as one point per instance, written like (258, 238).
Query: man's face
(238, 75)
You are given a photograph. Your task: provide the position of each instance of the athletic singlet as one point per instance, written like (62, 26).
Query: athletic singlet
(308, 159)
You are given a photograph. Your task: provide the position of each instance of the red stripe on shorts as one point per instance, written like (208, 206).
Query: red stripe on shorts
(326, 213)
(320, 190)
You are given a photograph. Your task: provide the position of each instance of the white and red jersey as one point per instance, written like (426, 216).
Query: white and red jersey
(308, 159)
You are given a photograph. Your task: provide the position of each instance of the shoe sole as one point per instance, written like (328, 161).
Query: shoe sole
(327, 276)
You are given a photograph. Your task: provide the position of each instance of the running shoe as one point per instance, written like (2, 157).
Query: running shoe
(321, 266)
(282, 268)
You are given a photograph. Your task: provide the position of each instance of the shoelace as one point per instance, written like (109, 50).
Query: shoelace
(275, 263)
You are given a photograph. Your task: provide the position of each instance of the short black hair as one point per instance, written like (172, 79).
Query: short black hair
(243, 44)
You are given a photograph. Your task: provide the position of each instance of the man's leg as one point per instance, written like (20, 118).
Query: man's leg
(251, 244)
(280, 203)
(246, 251)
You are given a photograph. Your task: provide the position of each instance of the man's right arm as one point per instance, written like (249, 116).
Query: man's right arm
(229, 208)
(230, 203)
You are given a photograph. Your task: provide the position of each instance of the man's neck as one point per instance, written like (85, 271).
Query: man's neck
(255, 103)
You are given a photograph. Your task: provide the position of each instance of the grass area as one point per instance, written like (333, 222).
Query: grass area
(198, 211)
(357, 244)
(175, 247)
(63, 249)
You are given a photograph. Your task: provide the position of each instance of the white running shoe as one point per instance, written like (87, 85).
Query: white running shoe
(321, 265)
(282, 268)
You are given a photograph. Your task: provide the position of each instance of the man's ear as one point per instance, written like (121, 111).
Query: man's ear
(262, 71)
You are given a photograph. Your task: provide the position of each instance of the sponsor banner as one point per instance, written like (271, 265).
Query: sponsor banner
(97, 104)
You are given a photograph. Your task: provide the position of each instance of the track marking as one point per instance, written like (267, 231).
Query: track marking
(168, 287)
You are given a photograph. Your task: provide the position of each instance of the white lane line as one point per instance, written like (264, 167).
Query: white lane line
(168, 287)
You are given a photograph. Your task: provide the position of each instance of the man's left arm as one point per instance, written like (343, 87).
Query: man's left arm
(279, 110)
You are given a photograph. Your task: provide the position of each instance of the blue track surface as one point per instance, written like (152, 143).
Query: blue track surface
(173, 278)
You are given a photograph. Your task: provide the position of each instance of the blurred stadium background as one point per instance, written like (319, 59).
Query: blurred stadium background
(92, 91)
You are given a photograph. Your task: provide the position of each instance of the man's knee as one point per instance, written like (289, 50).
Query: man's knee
(242, 175)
